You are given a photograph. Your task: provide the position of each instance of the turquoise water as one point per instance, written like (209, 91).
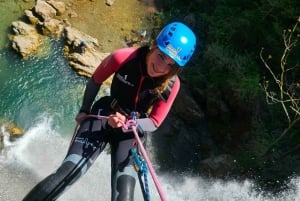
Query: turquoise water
(39, 86)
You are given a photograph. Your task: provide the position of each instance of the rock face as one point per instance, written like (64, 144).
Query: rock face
(186, 107)
(45, 21)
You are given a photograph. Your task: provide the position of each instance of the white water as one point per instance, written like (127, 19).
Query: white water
(26, 161)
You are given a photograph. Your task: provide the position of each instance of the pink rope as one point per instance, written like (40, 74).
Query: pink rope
(133, 123)
(149, 164)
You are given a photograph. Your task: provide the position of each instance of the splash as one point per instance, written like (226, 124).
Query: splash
(4, 153)
(28, 160)
(191, 188)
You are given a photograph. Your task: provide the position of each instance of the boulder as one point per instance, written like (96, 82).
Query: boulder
(53, 27)
(32, 19)
(11, 129)
(15, 131)
(21, 28)
(8, 132)
(27, 39)
(74, 37)
(59, 6)
(44, 10)
(85, 64)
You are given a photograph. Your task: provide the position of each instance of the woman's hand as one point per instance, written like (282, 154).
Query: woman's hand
(116, 120)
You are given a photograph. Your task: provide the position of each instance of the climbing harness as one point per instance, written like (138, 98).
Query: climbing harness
(131, 125)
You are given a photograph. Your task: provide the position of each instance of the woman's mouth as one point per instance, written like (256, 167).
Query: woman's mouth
(155, 69)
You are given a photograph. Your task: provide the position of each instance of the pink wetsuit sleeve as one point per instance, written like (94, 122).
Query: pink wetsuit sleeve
(112, 63)
(161, 108)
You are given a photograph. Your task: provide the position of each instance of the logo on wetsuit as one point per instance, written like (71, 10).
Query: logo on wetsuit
(123, 79)
(85, 141)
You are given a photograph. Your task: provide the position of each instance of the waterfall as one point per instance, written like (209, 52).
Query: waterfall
(39, 152)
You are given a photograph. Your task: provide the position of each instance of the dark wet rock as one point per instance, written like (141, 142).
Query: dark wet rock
(187, 108)
(218, 166)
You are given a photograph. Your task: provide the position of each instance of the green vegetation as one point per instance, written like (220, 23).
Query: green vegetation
(250, 95)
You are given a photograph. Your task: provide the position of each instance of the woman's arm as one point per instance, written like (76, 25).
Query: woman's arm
(107, 67)
(160, 110)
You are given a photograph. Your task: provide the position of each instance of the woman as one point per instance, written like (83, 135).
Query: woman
(145, 82)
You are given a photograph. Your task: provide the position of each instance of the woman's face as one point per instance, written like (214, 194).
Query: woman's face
(158, 63)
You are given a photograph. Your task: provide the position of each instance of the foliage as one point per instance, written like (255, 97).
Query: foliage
(286, 91)
(227, 69)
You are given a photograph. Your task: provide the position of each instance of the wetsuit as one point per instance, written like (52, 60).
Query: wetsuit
(131, 90)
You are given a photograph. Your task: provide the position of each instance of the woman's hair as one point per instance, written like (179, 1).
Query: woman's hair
(175, 70)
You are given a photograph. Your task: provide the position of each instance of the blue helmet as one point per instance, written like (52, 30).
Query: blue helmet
(177, 41)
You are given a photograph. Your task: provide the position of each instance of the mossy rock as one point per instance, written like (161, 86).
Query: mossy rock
(13, 130)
